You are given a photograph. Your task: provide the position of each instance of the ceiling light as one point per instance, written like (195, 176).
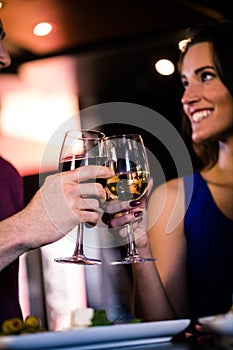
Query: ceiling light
(42, 29)
(164, 67)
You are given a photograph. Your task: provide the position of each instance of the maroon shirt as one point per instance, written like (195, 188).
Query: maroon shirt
(11, 201)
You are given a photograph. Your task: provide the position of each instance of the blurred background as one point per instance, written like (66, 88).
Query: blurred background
(94, 52)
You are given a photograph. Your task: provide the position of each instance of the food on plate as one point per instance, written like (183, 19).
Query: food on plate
(100, 319)
(88, 317)
(81, 317)
(15, 325)
(12, 326)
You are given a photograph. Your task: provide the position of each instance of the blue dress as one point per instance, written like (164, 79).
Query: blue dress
(11, 194)
(209, 235)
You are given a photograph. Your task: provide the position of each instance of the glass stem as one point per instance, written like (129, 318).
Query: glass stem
(131, 249)
(79, 241)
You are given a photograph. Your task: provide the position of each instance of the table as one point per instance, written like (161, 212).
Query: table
(181, 344)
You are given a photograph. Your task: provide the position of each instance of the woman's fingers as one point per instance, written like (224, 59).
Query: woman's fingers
(118, 213)
(116, 206)
(125, 218)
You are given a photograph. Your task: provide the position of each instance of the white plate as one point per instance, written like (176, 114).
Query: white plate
(221, 324)
(100, 337)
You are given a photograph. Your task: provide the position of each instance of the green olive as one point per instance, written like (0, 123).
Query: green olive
(12, 326)
(32, 322)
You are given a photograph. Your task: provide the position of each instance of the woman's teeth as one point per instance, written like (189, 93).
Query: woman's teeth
(197, 116)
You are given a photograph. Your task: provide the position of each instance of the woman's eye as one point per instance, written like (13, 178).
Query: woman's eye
(184, 83)
(205, 76)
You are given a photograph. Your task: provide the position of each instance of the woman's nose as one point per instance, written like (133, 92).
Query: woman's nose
(191, 94)
(5, 59)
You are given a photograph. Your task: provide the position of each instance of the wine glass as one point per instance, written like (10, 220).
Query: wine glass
(126, 155)
(80, 148)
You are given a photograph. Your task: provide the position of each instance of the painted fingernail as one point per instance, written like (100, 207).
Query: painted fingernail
(137, 214)
(134, 203)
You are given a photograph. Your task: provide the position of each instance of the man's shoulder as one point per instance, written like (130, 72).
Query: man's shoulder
(8, 168)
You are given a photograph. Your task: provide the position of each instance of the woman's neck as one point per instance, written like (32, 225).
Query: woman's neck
(222, 172)
(225, 159)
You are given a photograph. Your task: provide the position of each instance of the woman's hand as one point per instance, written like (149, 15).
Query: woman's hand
(118, 213)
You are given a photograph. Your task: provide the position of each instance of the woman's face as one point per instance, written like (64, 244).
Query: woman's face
(206, 101)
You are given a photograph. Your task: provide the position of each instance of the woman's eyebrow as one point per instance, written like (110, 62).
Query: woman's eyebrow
(199, 70)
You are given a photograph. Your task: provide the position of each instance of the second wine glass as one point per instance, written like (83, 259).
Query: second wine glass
(80, 148)
(126, 155)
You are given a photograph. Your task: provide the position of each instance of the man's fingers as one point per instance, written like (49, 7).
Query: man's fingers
(90, 172)
(87, 190)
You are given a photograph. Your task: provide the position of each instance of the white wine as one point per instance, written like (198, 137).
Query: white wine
(76, 162)
(128, 185)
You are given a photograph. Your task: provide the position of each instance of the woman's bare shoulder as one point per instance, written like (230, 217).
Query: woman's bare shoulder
(167, 204)
(170, 188)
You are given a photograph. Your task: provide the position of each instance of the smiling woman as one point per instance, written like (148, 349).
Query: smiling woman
(205, 97)
(192, 276)
(205, 232)
(213, 75)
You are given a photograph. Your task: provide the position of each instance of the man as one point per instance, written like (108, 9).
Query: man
(54, 210)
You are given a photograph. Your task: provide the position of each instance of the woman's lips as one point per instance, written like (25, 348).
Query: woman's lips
(199, 115)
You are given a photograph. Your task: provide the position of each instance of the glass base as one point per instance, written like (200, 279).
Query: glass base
(132, 260)
(80, 260)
